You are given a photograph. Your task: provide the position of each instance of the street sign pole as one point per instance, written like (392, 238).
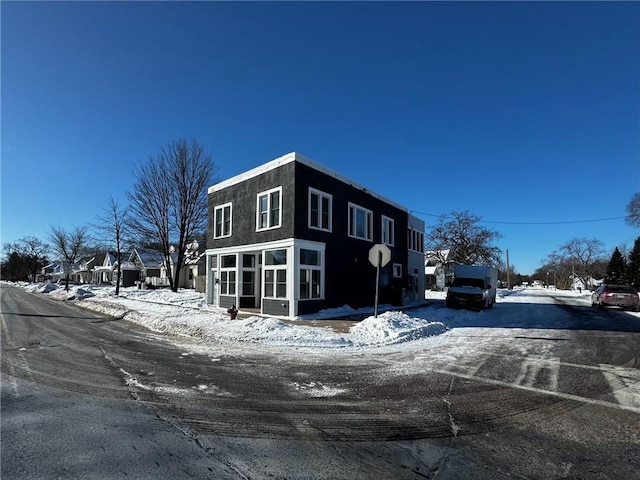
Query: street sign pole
(379, 256)
(375, 310)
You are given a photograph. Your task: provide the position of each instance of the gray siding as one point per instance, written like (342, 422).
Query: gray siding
(272, 306)
(244, 199)
(349, 277)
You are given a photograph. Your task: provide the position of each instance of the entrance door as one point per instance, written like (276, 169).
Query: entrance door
(250, 281)
(215, 286)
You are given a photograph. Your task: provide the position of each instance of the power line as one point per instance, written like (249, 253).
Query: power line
(566, 222)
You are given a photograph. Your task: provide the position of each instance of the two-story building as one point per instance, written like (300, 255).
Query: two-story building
(292, 237)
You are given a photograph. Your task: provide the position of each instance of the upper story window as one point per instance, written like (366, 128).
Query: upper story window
(360, 222)
(269, 209)
(388, 235)
(320, 206)
(222, 221)
(415, 240)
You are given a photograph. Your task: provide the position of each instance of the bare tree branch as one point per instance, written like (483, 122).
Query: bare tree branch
(468, 242)
(69, 245)
(169, 199)
(114, 226)
(28, 253)
(633, 211)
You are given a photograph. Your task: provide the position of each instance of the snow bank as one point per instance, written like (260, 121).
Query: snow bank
(186, 313)
(395, 327)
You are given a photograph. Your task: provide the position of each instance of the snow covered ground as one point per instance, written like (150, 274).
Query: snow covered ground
(185, 313)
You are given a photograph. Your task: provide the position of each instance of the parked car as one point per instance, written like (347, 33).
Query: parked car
(624, 296)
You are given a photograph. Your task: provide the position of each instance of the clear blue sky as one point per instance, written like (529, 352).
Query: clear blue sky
(516, 111)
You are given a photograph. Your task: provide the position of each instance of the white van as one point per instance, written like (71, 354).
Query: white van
(473, 286)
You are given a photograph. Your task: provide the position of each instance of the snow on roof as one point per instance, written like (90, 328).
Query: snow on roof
(150, 258)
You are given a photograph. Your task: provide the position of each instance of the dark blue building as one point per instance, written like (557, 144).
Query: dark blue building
(292, 237)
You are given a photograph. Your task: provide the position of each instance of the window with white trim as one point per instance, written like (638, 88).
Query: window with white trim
(320, 207)
(228, 275)
(275, 273)
(360, 222)
(269, 208)
(310, 286)
(388, 235)
(222, 221)
(415, 240)
(397, 270)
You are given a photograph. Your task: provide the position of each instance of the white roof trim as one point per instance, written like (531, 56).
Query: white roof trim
(293, 157)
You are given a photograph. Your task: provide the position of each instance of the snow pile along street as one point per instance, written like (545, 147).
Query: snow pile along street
(185, 313)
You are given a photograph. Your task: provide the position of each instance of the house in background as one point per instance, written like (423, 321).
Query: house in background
(193, 273)
(151, 266)
(51, 272)
(147, 266)
(437, 270)
(292, 237)
(82, 270)
(106, 272)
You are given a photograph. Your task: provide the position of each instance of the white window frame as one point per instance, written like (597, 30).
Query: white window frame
(397, 270)
(276, 270)
(321, 195)
(415, 240)
(224, 277)
(368, 236)
(268, 194)
(220, 210)
(304, 269)
(388, 235)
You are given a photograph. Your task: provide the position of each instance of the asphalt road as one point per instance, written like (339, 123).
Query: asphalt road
(87, 396)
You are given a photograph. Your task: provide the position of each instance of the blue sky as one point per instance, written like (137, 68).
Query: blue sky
(526, 114)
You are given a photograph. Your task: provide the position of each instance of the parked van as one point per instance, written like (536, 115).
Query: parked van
(474, 287)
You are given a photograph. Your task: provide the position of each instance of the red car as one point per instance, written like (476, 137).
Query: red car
(624, 296)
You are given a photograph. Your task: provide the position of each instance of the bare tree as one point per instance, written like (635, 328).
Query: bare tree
(113, 225)
(32, 253)
(69, 246)
(586, 257)
(468, 242)
(169, 200)
(633, 211)
(557, 270)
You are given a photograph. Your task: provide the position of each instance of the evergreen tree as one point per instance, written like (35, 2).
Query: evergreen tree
(633, 265)
(617, 269)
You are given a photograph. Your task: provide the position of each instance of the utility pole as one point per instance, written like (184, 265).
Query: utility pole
(508, 281)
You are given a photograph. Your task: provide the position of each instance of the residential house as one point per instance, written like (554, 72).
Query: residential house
(292, 237)
(52, 272)
(79, 272)
(82, 270)
(151, 266)
(193, 273)
(106, 272)
(437, 270)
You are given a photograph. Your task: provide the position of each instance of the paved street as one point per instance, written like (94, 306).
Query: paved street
(89, 396)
